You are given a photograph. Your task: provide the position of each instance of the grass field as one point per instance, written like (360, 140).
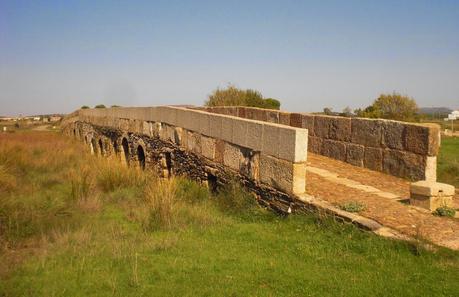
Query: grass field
(72, 224)
(448, 161)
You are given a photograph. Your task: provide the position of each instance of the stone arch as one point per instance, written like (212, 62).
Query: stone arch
(116, 147)
(125, 148)
(141, 156)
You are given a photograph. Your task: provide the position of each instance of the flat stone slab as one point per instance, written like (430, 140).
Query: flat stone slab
(431, 189)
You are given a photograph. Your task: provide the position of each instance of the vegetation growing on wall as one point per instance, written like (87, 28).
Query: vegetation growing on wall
(233, 96)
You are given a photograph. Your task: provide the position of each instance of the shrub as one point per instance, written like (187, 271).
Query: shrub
(233, 96)
(84, 107)
(160, 199)
(391, 106)
(99, 106)
(352, 206)
(445, 211)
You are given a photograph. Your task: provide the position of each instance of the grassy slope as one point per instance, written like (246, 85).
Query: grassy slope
(61, 241)
(448, 161)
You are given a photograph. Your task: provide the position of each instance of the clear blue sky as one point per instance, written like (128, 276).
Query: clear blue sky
(58, 55)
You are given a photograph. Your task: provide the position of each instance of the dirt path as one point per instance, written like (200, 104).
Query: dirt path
(384, 197)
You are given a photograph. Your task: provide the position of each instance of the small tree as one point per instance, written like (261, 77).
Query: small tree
(114, 106)
(391, 106)
(272, 103)
(99, 106)
(85, 107)
(328, 111)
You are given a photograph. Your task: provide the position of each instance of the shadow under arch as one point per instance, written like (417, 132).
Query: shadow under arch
(141, 157)
(101, 147)
(125, 154)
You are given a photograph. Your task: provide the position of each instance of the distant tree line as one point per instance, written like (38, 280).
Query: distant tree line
(98, 106)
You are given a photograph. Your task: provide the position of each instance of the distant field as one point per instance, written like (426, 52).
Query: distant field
(72, 224)
(448, 161)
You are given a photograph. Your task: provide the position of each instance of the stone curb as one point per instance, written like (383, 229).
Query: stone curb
(361, 222)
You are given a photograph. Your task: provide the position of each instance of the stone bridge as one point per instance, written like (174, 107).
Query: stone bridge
(266, 150)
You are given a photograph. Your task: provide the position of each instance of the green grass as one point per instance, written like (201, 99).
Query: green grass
(448, 161)
(108, 241)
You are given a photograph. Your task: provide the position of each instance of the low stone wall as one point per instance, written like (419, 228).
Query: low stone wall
(268, 158)
(397, 148)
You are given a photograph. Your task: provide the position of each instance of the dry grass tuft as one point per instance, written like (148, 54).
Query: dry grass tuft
(160, 199)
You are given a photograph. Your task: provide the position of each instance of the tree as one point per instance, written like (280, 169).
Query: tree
(233, 96)
(85, 107)
(392, 106)
(347, 112)
(328, 111)
(99, 106)
(115, 106)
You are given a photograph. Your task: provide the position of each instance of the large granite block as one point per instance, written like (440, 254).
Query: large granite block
(293, 144)
(404, 164)
(272, 116)
(240, 132)
(373, 158)
(255, 135)
(322, 125)
(393, 135)
(334, 149)
(284, 118)
(355, 154)
(422, 139)
(271, 140)
(283, 175)
(315, 145)
(340, 129)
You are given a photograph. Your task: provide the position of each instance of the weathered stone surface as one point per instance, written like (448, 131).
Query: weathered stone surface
(429, 188)
(255, 135)
(208, 147)
(272, 116)
(227, 129)
(260, 115)
(204, 123)
(296, 120)
(283, 175)
(404, 164)
(340, 129)
(315, 145)
(293, 144)
(431, 169)
(355, 154)
(422, 139)
(334, 149)
(215, 126)
(232, 156)
(219, 150)
(241, 112)
(194, 142)
(366, 132)
(284, 118)
(271, 137)
(373, 158)
(431, 202)
(240, 132)
(393, 135)
(307, 122)
(322, 126)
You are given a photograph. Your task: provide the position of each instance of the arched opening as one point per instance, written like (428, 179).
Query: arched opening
(101, 147)
(93, 146)
(141, 157)
(74, 132)
(125, 155)
(86, 139)
(116, 149)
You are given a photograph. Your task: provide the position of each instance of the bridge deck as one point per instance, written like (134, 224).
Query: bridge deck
(384, 196)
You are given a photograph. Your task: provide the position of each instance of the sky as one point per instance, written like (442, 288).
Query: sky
(56, 56)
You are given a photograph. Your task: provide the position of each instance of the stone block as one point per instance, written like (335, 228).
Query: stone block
(393, 135)
(194, 142)
(255, 135)
(240, 132)
(169, 115)
(373, 158)
(366, 132)
(182, 117)
(431, 169)
(178, 135)
(431, 195)
(232, 156)
(296, 120)
(283, 175)
(227, 129)
(194, 120)
(284, 118)
(334, 149)
(340, 129)
(259, 114)
(322, 125)
(355, 154)
(307, 122)
(208, 147)
(204, 123)
(315, 145)
(250, 113)
(219, 150)
(271, 139)
(241, 112)
(272, 116)
(404, 164)
(215, 126)
(422, 139)
(293, 144)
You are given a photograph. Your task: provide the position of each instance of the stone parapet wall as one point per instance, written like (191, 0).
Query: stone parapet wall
(268, 154)
(401, 149)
